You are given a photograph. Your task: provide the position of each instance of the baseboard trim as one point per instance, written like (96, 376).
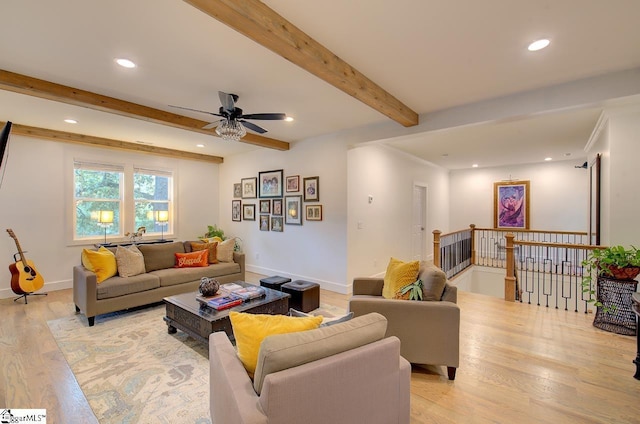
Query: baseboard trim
(326, 285)
(48, 287)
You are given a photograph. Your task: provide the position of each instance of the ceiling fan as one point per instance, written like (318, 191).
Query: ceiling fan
(231, 126)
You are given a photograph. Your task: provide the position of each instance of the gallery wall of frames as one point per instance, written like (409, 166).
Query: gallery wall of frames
(275, 200)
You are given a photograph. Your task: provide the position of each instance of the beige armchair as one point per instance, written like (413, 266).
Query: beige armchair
(344, 373)
(429, 331)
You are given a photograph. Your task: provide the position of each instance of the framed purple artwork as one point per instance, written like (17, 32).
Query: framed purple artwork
(511, 204)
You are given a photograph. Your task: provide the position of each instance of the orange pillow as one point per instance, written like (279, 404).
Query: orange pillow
(193, 259)
(211, 247)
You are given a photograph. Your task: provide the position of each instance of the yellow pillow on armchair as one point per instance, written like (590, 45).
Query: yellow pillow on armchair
(398, 275)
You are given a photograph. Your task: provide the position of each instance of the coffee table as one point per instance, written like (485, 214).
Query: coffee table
(196, 319)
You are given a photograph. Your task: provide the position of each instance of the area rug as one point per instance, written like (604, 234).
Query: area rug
(132, 371)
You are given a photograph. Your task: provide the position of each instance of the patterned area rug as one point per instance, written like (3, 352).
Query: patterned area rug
(132, 371)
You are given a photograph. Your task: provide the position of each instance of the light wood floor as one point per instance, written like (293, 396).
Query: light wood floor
(519, 364)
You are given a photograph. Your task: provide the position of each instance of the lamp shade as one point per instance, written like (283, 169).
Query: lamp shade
(163, 216)
(105, 217)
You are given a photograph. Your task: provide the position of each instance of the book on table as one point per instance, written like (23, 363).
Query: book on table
(224, 302)
(230, 287)
(249, 292)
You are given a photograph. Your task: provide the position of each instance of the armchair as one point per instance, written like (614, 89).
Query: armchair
(328, 380)
(429, 331)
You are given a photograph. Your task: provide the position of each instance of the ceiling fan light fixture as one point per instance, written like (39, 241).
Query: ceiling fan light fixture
(230, 130)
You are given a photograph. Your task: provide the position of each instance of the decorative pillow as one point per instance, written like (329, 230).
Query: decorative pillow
(211, 247)
(193, 259)
(102, 262)
(225, 250)
(250, 329)
(284, 351)
(398, 275)
(325, 320)
(433, 281)
(130, 261)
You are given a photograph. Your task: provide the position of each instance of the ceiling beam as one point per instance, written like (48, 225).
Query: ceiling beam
(68, 137)
(257, 21)
(61, 93)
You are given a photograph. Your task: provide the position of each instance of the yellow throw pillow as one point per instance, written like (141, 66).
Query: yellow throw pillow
(211, 247)
(250, 329)
(398, 275)
(102, 262)
(225, 250)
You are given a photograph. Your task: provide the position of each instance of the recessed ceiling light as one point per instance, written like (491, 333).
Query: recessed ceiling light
(288, 119)
(538, 45)
(70, 121)
(125, 63)
(548, 159)
(199, 145)
(475, 165)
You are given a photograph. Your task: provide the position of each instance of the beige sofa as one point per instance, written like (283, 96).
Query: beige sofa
(429, 331)
(341, 374)
(160, 280)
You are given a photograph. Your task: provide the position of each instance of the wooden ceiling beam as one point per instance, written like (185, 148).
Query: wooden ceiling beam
(262, 24)
(61, 93)
(68, 137)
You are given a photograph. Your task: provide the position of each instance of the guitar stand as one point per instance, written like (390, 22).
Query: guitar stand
(29, 294)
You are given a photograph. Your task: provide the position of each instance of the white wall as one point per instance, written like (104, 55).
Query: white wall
(32, 199)
(559, 195)
(315, 251)
(389, 175)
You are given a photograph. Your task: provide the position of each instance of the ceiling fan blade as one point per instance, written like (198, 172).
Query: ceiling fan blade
(195, 110)
(212, 125)
(253, 126)
(266, 116)
(227, 100)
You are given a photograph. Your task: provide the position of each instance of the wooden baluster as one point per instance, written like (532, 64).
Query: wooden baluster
(436, 247)
(473, 243)
(509, 279)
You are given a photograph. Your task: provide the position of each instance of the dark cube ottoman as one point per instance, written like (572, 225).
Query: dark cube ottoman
(274, 282)
(305, 295)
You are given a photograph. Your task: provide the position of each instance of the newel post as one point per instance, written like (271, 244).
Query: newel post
(510, 279)
(473, 243)
(436, 247)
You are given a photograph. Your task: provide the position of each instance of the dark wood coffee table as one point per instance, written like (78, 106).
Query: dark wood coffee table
(186, 313)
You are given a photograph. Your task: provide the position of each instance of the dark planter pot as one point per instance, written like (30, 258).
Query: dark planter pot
(624, 273)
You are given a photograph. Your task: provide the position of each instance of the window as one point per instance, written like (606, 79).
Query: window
(111, 200)
(97, 187)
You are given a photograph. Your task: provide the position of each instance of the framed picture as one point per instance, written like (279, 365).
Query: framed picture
(293, 210)
(511, 204)
(293, 183)
(264, 222)
(249, 212)
(276, 224)
(313, 212)
(248, 188)
(237, 190)
(265, 206)
(311, 187)
(277, 207)
(270, 183)
(235, 210)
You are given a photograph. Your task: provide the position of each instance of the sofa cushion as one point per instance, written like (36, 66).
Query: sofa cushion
(212, 248)
(398, 275)
(130, 261)
(101, 262)
(174, 276)
(160, 256)
(433, 281)
(196, 259)
(225, 250)
(325, 320)
(120, 286)
(250, 330)
(283, 351)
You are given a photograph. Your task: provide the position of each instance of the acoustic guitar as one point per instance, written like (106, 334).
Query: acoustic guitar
(24, 277)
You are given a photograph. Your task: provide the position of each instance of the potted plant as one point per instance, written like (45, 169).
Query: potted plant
(214, 231)
(616, 262)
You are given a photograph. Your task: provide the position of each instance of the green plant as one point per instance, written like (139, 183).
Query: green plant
(214, 231)
(414, 289)
(601, 262)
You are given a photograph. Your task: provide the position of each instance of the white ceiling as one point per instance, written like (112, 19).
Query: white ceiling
(433, 55)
